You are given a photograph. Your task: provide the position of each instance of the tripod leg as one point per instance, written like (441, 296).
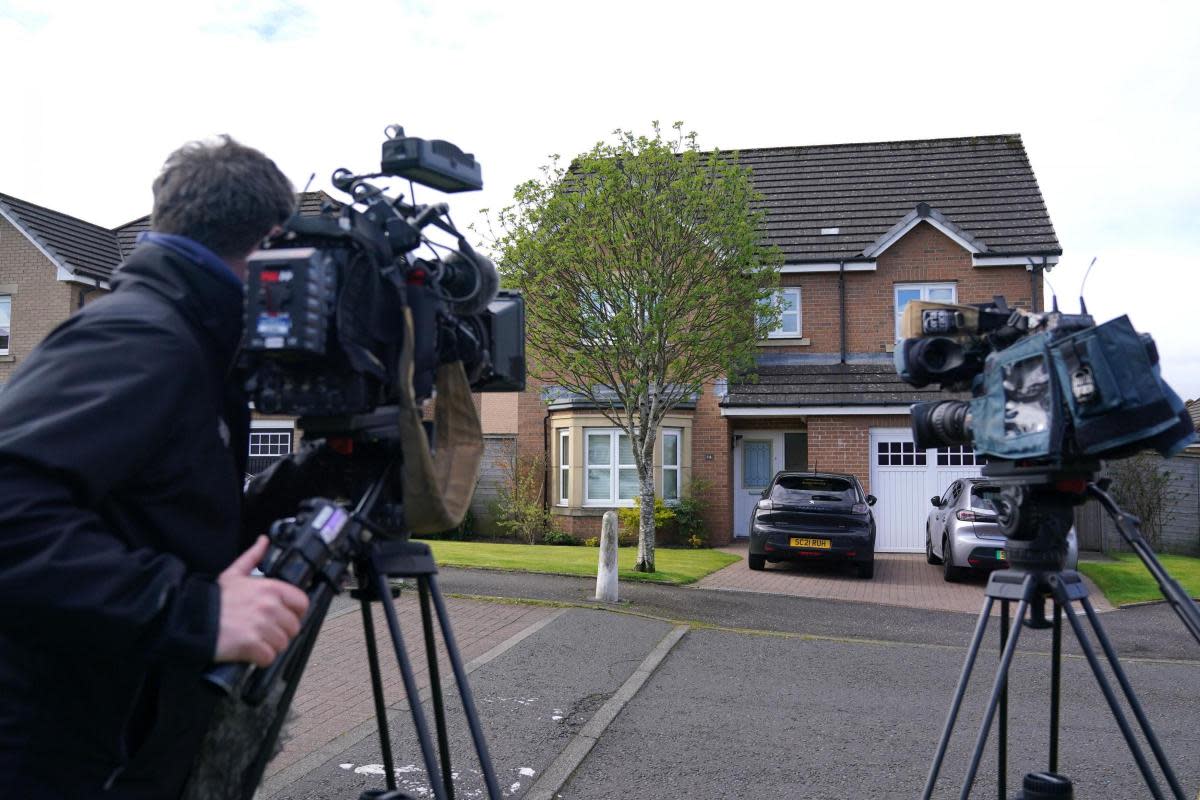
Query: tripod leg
(956, 703)
(1028, 587)
(1002, 734)
(1134, 705)
(435, 687)
(1055, 683)
(410, 686)
(464, 691)
(385, 741)
(1081, 635)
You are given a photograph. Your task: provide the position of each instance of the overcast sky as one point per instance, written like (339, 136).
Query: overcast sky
(1106, 97)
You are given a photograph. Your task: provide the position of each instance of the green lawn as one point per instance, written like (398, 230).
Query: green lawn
(673, 566)
(1126, 580)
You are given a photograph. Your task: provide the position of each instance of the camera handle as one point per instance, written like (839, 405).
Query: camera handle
(1128, 525)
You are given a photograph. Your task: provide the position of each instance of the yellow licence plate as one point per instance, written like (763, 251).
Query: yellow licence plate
(823, 544)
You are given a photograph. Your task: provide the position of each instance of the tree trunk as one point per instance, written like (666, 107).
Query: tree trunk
(645, 559)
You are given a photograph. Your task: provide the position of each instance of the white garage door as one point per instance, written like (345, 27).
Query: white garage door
(903, 479)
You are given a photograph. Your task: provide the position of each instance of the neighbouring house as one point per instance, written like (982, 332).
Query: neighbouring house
(864, 229)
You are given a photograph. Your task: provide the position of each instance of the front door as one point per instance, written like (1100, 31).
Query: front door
(757, 456)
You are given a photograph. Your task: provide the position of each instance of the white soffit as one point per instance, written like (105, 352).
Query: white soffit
(828, 266)
(814, 411)
(1013, 261)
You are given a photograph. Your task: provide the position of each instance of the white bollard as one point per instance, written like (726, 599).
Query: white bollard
(606, 572)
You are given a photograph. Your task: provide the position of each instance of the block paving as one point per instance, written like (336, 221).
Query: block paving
(334, 695)
(901, 579)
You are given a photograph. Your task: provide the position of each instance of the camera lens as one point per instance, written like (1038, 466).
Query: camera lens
(941, 423)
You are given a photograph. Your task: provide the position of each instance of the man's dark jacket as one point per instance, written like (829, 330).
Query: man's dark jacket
(122, 451)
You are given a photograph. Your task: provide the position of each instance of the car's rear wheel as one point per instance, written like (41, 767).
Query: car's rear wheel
(930, 558)
(950, 572)
(866, 569)
(756, 562)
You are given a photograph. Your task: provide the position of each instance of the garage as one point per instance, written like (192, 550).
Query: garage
(903, 479)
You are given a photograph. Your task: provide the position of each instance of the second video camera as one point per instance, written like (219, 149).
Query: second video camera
(1046, 387)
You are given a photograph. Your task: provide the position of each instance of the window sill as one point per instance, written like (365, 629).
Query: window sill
(4, 359)
(586, 511)
(785, 342)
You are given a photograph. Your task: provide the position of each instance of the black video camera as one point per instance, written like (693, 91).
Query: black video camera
(327, 301)
(1047, 388)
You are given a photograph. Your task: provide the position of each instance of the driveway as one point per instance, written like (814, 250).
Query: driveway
(901, 579)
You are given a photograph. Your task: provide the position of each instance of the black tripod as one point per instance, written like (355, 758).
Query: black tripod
(314, 550)
(1030, 588)
(407, 559)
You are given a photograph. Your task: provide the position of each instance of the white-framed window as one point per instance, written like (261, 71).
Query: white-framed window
(790, 318)
(564, 466)
(267, 445)
(610, 473)
(671, 439)
(934, 292)
(270, 442)
(5, 324)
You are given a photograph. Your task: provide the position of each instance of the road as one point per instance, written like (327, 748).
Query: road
(703, 694)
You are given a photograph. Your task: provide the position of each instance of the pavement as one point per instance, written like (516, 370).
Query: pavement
(716, 693)
(901, 579)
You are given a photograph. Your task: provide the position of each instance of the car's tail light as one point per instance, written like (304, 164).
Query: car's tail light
(860, 508)
(966, 515)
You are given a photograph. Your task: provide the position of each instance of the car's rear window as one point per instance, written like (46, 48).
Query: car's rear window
(805, 486)
(985, 497)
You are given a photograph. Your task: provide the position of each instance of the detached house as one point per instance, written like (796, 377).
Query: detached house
(864, 229)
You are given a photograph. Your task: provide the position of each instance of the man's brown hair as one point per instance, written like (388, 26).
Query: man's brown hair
(222, 194)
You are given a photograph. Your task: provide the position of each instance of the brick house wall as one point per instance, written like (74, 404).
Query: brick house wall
(39, 300)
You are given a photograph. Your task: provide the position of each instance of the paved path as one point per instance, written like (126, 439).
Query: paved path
(334, 696)
(901, 579)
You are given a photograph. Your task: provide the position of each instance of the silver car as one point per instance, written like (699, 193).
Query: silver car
(961, 532)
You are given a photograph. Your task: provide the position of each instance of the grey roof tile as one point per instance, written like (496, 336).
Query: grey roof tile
(827, 385)
(81, 247)
(983, 184)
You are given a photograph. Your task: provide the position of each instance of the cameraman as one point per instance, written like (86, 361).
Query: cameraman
(124, 567)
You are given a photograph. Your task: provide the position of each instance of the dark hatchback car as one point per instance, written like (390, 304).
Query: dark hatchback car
(814, 516)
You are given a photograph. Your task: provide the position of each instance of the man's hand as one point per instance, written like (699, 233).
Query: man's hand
(259, 616)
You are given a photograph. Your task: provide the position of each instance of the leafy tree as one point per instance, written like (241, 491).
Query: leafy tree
(644, 277)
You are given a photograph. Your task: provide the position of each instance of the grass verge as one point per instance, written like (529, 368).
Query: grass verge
(673, 566)
(1125, 579)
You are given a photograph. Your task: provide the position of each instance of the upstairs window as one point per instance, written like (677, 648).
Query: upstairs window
(5, 322)
(933, 292)
(789, 326)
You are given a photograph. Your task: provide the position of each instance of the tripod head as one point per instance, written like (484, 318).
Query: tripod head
(1035, 510)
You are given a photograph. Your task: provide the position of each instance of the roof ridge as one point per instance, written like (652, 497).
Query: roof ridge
(843, 145)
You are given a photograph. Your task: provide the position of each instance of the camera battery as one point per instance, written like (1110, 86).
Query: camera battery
(289, 300)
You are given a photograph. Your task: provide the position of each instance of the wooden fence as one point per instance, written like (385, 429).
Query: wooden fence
(1181, 529)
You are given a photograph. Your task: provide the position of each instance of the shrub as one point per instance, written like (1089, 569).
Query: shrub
(555, 536)
(518, 506)
(689, 514)
(592, 541)
(466, 530)
(1142, 486)
(630, 519)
